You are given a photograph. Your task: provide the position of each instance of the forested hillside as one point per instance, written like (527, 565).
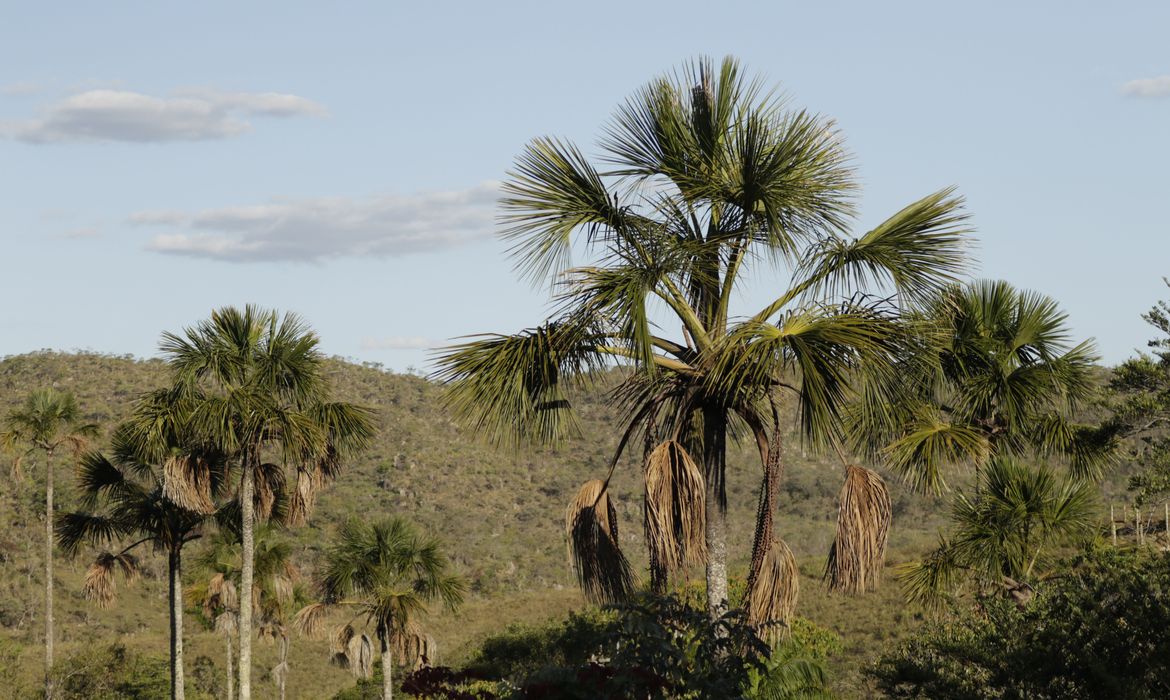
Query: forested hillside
(499, 512)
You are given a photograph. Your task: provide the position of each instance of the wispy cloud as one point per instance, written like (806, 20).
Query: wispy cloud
(122, 115)
(319, 229)
(398, 343)
(81, 233)
(20, 89)
(1148, 87)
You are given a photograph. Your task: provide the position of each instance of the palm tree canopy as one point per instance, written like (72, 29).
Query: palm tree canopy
(47, 419)
(389, 572)
(996, 373)
(1012, 532)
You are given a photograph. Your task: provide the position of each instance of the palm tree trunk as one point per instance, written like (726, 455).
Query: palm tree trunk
(387, 666)
(48, 575)
(714, 462)
(231, 676)
(246, 534)
(284, 641)
(176, 563)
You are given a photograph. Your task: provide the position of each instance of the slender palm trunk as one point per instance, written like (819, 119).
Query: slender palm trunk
(48, 574)
(246, 535)
(714, 460)
(231, 676)
(284, 641)
(387, 666)
(176, 566)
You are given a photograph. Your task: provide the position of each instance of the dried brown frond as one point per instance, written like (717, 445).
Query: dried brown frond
(591, 526)
(17, 470)
(675, 507)
(310, 620)
(282, 586)
(269, 482)
(187, 483)
(341, 637)
(99, 580)
(414, 647)
(99, 577)
(772, 597)
(863, 528)
(360, 655)
(303, 497)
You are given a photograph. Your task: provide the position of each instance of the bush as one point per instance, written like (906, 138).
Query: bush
(112, 673)
(1100, 630)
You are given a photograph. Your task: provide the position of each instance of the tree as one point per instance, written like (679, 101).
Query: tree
(1140, 392)
(123, 499)
(998, 375)
(252, 383)
(47, 421)
(387, 574)
(1100, 630)
(1009, 537)
(275, 591)
(709, 176)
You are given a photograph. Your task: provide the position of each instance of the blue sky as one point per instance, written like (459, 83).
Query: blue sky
(160, 159)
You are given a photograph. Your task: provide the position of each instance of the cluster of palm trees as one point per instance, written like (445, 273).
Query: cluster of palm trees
(874, 344)
(244, 435)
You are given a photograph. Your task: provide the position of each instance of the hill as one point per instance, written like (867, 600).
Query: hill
(499, 512)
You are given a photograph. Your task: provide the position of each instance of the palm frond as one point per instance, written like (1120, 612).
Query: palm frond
(675, 507)
(863, 528)
(772, 599)
(592, 530)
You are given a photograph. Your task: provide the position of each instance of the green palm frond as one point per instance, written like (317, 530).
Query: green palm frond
(515, 388)
(917, 252)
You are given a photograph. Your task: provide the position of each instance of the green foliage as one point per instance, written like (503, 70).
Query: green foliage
(1101, 630)
(656, 647)
(1008, 534)
(1141, 405)
(112, 673)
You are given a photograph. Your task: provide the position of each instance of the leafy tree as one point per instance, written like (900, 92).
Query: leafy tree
(1010, 536)
(387, 574)
(709, 176)
(1140, 388)
(275, 591)
(251, 382)
(46, 422)
(1100, 630)
(123, 500)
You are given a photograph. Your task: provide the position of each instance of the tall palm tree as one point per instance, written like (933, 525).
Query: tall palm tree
(387, 574)
(1006, 539)
(124, 502)
(253, 383)
(275, 590)
(47, 421)
(708, 176)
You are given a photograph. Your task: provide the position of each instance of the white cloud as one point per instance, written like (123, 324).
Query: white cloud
(1148, 87)
(398, 343)
(82, 233)
(323, 228)
(121, 115)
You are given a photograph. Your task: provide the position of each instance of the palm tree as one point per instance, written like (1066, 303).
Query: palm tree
(709, 176)
(47, 421)
(275, 591)
(998, 375)
(123, 499)
(252, 383)
(388, 574)
(1007, 537)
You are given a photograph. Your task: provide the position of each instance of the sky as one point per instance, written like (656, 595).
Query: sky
(159, 160)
